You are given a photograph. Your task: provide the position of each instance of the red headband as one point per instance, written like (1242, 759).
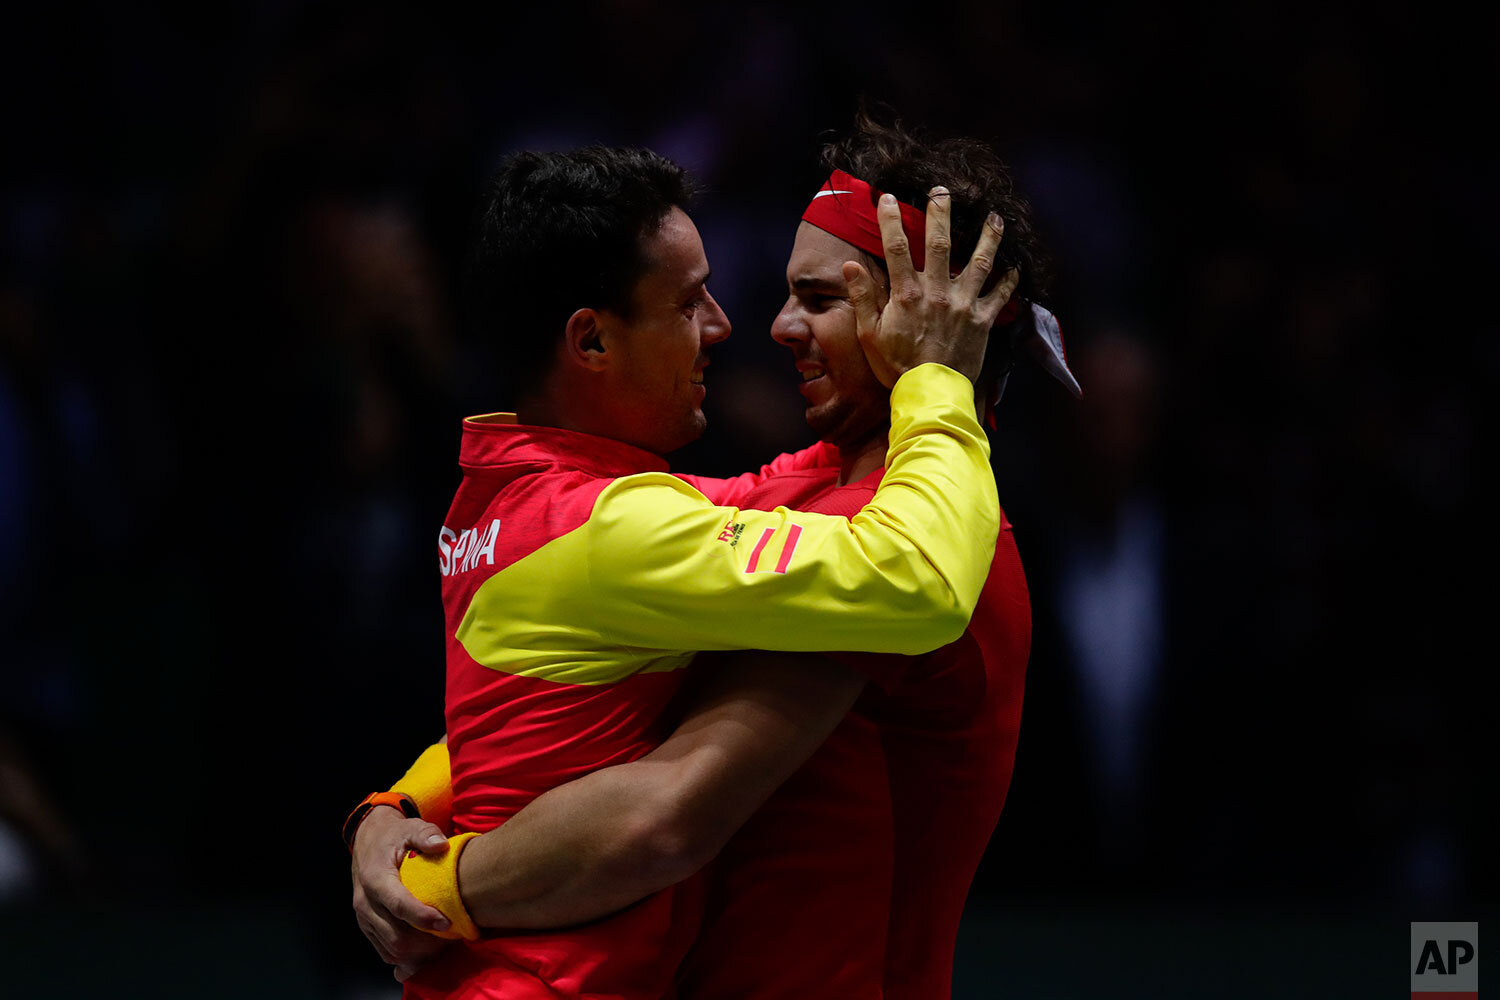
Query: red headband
(845, 207)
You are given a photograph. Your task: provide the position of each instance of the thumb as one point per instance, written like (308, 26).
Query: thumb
(426, 839)
(867, 318)
(862, 297)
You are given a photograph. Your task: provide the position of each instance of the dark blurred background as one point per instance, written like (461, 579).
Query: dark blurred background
(231, 378)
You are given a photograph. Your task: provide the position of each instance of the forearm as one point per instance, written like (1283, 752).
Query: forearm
(594, 845)
(578, 852)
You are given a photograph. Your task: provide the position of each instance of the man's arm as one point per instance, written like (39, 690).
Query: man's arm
(657, 567)
(600, 842)
(912, 562)
(605, 840)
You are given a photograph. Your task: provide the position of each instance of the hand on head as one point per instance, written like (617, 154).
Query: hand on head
(931, 317)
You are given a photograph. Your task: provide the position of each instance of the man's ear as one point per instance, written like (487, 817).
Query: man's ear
(583, 339)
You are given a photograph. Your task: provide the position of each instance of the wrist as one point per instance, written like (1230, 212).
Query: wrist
(396, 802)
(967, 367)
(433, 880)
(375, 818)
(934, 371)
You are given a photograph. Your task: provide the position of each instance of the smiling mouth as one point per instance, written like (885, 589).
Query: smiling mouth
(812, 373)
(696, 378)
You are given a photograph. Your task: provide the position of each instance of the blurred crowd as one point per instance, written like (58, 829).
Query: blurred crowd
(232, 366)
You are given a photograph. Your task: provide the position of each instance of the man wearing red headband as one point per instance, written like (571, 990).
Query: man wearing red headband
(850, 880)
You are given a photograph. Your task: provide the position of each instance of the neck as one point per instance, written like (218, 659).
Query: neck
(553, 405)
(862, 458)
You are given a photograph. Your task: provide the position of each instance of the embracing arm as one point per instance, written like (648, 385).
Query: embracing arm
(665, 567)
(605, 840)
(602, 841)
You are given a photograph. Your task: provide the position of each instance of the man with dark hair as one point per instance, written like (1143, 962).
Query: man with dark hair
(579, 579)
(558, 230)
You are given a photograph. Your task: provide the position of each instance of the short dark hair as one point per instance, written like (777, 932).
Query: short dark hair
(891, 158)
(559, 232)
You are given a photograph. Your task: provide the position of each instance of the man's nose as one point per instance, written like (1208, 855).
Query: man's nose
(715, 325)
(789, 327)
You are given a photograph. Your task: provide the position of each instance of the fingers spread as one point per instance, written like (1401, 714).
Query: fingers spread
(939, 239)
(893, 239)
(983, 261)
(995, 301)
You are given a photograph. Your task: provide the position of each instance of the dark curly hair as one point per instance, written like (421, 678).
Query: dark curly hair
(890, 158)
(558, 232)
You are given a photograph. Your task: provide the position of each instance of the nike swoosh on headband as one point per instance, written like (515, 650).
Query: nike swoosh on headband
(824, 194)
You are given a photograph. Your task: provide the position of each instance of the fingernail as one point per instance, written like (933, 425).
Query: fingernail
(441, 924)
(434, 839)
(888, 199)
(994, 221)
(937, 192)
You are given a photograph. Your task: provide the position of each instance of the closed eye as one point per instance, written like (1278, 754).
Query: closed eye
(820, 302)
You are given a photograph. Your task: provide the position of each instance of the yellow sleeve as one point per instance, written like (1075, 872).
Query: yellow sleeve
(429, 782)
(666, 569)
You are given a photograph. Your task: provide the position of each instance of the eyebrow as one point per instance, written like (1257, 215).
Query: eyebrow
(808, 282)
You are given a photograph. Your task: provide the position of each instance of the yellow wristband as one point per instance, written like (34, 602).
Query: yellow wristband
(434, 881)
(429, 782)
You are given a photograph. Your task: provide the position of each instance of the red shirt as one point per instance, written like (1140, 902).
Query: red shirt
(576, 574)
(543, 484)
(851, 880)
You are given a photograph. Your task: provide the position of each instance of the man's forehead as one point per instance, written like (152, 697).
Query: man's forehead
(818, 257)
(675, 253)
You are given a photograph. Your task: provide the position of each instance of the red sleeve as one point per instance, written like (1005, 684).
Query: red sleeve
(731, 492)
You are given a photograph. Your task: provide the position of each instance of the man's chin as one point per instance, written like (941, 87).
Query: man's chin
(844, 426)
(692, 430)
(823, 418)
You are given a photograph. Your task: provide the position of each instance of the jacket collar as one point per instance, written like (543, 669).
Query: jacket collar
(496, 439)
